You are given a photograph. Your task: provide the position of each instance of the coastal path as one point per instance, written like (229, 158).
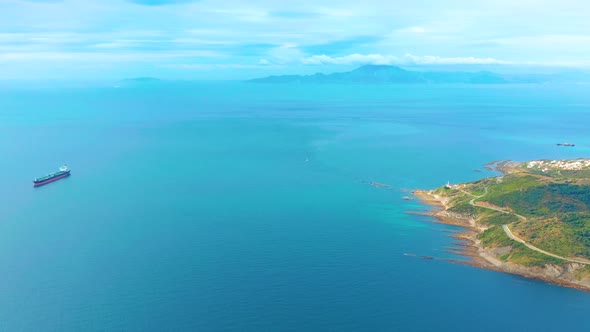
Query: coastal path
(514, 237)
(530, 246)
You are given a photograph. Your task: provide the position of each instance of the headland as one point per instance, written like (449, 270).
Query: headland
(532, 221)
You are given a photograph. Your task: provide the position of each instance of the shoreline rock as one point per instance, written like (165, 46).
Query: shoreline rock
(485, 258)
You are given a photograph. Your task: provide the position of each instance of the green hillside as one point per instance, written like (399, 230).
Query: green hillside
(544, 203)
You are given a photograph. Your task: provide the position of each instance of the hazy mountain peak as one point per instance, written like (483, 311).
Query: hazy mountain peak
(387, 74)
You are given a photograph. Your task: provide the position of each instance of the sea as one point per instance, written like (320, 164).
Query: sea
(233, 206)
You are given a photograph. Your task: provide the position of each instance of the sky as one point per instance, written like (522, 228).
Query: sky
(237, 39)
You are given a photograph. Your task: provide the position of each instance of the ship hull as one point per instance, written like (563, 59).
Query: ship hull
(41, 183)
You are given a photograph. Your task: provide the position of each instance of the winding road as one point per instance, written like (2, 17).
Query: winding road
(530, 246)
(514, 237)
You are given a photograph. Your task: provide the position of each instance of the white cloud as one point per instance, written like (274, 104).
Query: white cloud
(244, 14)
(376, 59)
(380, 59)
(208, 66)
(105, 56)
(413, 30)
(55, 39)
(287, 53)
(117, 32)
(437, 60)
(199, 41)
(336, 12)
(542, 41)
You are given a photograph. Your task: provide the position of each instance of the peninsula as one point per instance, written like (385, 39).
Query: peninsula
(534, 220)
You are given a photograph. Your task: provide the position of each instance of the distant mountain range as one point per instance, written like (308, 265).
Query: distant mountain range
(385, 74)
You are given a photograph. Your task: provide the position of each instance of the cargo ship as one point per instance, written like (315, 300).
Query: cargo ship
(62, 173)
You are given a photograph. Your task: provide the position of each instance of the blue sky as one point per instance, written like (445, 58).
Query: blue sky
(227, 39)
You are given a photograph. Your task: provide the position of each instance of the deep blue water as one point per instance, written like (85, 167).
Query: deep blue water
(241, 207)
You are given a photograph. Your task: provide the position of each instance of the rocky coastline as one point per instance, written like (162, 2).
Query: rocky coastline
(487, 258)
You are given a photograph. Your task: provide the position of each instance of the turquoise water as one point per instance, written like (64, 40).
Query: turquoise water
(231, 206)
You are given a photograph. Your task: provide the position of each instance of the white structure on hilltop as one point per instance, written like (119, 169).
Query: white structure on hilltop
(569, 165)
